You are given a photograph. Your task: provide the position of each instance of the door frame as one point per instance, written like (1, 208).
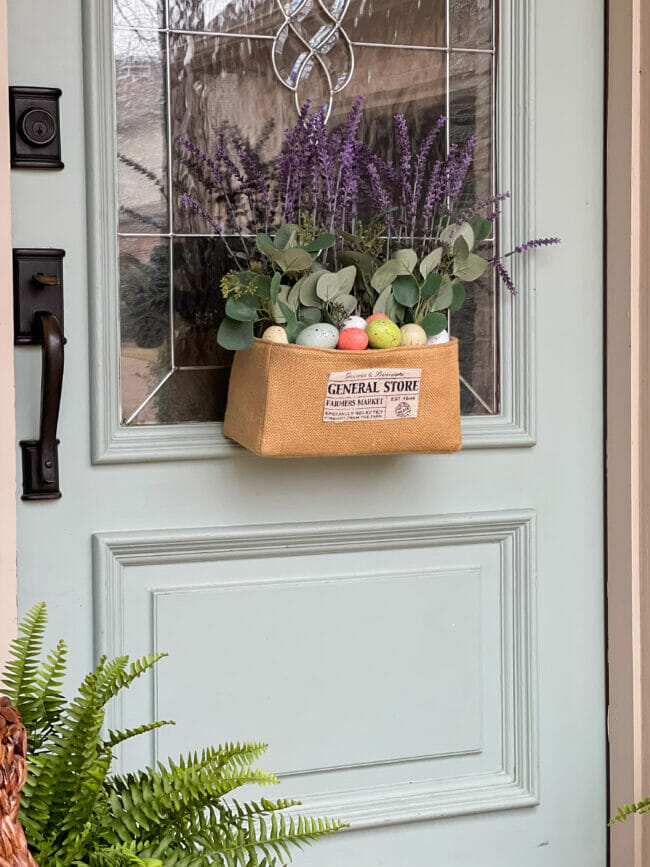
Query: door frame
(7, 421)
(627, 374)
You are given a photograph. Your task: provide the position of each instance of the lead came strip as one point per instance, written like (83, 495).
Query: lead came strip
(374, 394)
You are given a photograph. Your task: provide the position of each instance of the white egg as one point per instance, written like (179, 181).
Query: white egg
(443, 337)
(354, 322)
(413, 335)
(275, 334)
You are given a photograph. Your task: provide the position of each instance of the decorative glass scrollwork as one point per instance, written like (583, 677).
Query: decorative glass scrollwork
(311, 39)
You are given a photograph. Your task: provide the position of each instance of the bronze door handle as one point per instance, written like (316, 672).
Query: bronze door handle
(40, 457)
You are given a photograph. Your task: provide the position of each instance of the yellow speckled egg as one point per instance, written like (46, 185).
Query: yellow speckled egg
(413, 335)
(275, 334)
(383, 334)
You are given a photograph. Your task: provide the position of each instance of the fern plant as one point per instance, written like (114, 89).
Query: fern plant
(623, 813)
(75, 812)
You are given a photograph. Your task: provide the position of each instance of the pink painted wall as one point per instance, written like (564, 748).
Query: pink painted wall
(7, 430)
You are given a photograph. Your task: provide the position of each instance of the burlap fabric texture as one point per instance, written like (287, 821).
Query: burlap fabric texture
(277, 399)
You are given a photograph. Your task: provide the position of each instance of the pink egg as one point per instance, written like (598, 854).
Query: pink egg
(376, 316)
(353, 338)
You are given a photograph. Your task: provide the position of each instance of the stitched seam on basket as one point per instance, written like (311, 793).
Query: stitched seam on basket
(267, 373)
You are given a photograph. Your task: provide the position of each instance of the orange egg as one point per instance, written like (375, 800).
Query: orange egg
(376, 316)
(353, 339)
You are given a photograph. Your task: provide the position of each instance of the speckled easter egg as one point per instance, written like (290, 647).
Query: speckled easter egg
(354, 322)
(413, 335)
(443, 337)
(322, 334)
(383, 334)
(353, 338)
(376, 316)
(275, 334)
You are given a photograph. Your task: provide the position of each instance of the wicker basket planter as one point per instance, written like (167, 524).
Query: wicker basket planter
(290, 401)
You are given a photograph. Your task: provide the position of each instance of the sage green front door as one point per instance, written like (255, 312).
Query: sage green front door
(418, 638)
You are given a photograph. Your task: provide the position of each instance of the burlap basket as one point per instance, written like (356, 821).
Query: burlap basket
(299, 401)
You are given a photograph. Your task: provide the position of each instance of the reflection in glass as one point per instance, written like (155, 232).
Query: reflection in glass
(471, 23)
(144, 322)
(256, 17)
(410, 22)
(138, 13)
(141, 131)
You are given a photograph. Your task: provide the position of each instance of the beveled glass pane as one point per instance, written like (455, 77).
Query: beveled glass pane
(396, 81)
(138, 13)
(411, 22)
(471, 110)
(224, 92)
(144, 322)
(141, 130)
(226, 16)
(192, 395)
(199, 305)
(471, 23)
(475, 325)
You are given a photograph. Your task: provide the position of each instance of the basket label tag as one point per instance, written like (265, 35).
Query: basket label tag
(375, 394)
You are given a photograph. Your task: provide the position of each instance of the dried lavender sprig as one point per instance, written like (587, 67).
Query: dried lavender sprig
(193, 205)
(480, 206)
(530, 245)
(503, 274)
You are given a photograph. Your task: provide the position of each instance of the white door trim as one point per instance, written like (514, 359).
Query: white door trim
(515, 424)
(7, 417)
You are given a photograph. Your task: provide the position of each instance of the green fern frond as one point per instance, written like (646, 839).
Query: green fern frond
(118, 737)
(75, 814)
(628, 810)
(19, 677)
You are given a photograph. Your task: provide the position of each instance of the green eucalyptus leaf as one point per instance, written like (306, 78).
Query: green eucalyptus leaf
(461, 250)
(385, 275)
(262, 239)
(432, 284)
(481, 227)
(387, 305)
(348, 302)
(293, 298)
(405, 291)
(243, 309)
(327, 287)
(346, 278)
(276, 309)
(431, 262)
(408, 257)
(274, 288)
(285, 236)
(293, 326)
(308, 296)
(321, 242)
(293, 259)
(471, 269)
(434, 323)
(449, 235)
(235, 335)
(261, 283)
(363, 262)
(310, 315)
(444, 298)
(459, 296)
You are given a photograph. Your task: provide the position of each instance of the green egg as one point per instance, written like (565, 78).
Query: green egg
(383, 334)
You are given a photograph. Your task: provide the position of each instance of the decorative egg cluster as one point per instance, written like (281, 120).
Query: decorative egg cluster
(357, 334)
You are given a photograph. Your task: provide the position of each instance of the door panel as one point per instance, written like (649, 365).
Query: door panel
(424, 635)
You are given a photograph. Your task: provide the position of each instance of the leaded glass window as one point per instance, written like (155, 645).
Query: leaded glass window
(205, 69)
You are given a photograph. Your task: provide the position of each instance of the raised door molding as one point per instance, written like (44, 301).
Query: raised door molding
(507, 781)
(515, 100)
